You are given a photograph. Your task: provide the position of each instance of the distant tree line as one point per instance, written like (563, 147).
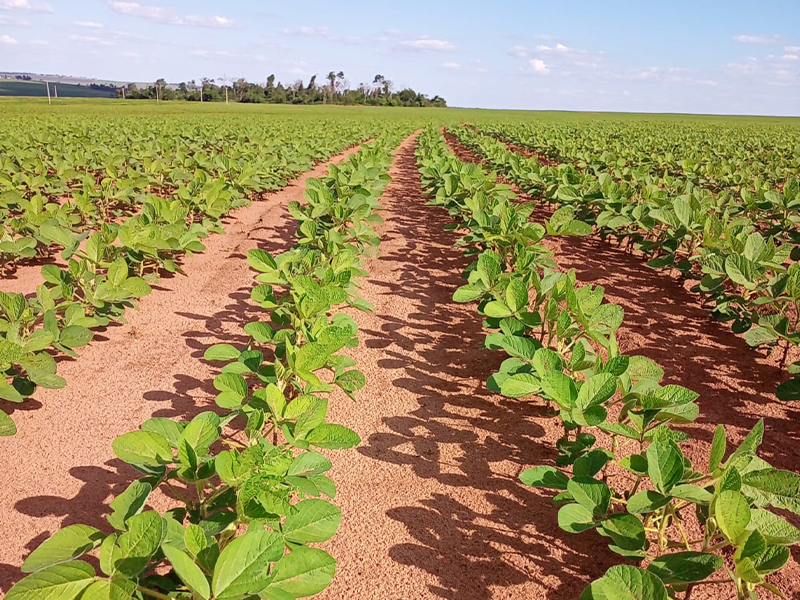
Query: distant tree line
(333, 90)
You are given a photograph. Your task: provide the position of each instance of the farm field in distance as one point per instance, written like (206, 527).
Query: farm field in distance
(284, 351)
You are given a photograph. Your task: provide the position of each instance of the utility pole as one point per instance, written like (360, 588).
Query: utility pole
(55, 88)
(226, 94)
(47, 83)
(158, 100)
(123, 93)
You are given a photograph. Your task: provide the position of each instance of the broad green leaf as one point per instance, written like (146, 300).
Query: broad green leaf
(141, 540)
(242, 568)
(733, 514)
(685, 567)
(545, 477)
(625, 582)
(314, 521)
(185, 568)
(664, 464)
(596, 390)
(63, 546)
(332, 436)
(64, 581)
(301, 572)
(142, 448)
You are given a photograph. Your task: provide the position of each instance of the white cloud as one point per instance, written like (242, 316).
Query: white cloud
(8, 40)
(790, 57)
(518, 51)
(26, 5)
(539, 67)
(426, 44)
(307, 31)
(451, 65)
(129, 54)
(792, 49)
(748, 65)
(168, 15)
(758, 39)
(90, 39)
(214, 54)
(88, 24)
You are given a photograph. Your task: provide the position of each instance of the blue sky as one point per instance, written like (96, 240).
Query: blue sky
(678, 56)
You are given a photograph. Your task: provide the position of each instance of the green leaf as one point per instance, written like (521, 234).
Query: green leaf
(692, 493)
(7, 426)
(110, 589)
(520, 385)
(596, 390)
(664, 464)
(717, 448)
(625, 582)
(142, 448)
(685, 567)
(749, 444)
(332, 436)
(221, 352)
(732, 511)
(141, 540)
(314, 521)
(497, 309)
(545, 477)
(63, 546)
(779, 488)
(646, 501)
(560, 388)
(467, 293)
(516, 295)
(590, 493)
(242, 568)
(185, 568)
(128, 503)
(64, 581)
(302, 572)
(574, 518)
(261, 261)
(626, 530)
(774, 529)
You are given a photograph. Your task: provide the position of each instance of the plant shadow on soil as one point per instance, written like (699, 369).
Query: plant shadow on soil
(437, 356)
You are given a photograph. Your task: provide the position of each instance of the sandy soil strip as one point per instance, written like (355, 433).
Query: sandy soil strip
(59, 469)
(431, 502)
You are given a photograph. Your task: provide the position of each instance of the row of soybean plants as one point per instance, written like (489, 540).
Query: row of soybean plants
(108, 266)
(247, 483)
(743, 157)
(742, 252)
(621, 470)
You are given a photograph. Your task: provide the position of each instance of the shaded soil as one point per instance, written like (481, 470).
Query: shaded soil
(59, 468)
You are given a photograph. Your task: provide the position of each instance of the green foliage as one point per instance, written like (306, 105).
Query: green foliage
(617, 416)
(247, 485)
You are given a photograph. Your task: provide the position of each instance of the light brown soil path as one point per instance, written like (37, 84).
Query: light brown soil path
(431, 502)
(59, 468)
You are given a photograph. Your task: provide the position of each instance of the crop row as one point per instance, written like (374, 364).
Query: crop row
(106, 271)
(710, 155)
(744, 257)
(621, 469)
(245, 483)
(54, 185)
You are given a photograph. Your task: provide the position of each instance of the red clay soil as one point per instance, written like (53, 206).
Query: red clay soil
(59, 468)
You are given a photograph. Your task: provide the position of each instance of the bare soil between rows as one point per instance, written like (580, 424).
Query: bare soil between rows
(431, 501)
